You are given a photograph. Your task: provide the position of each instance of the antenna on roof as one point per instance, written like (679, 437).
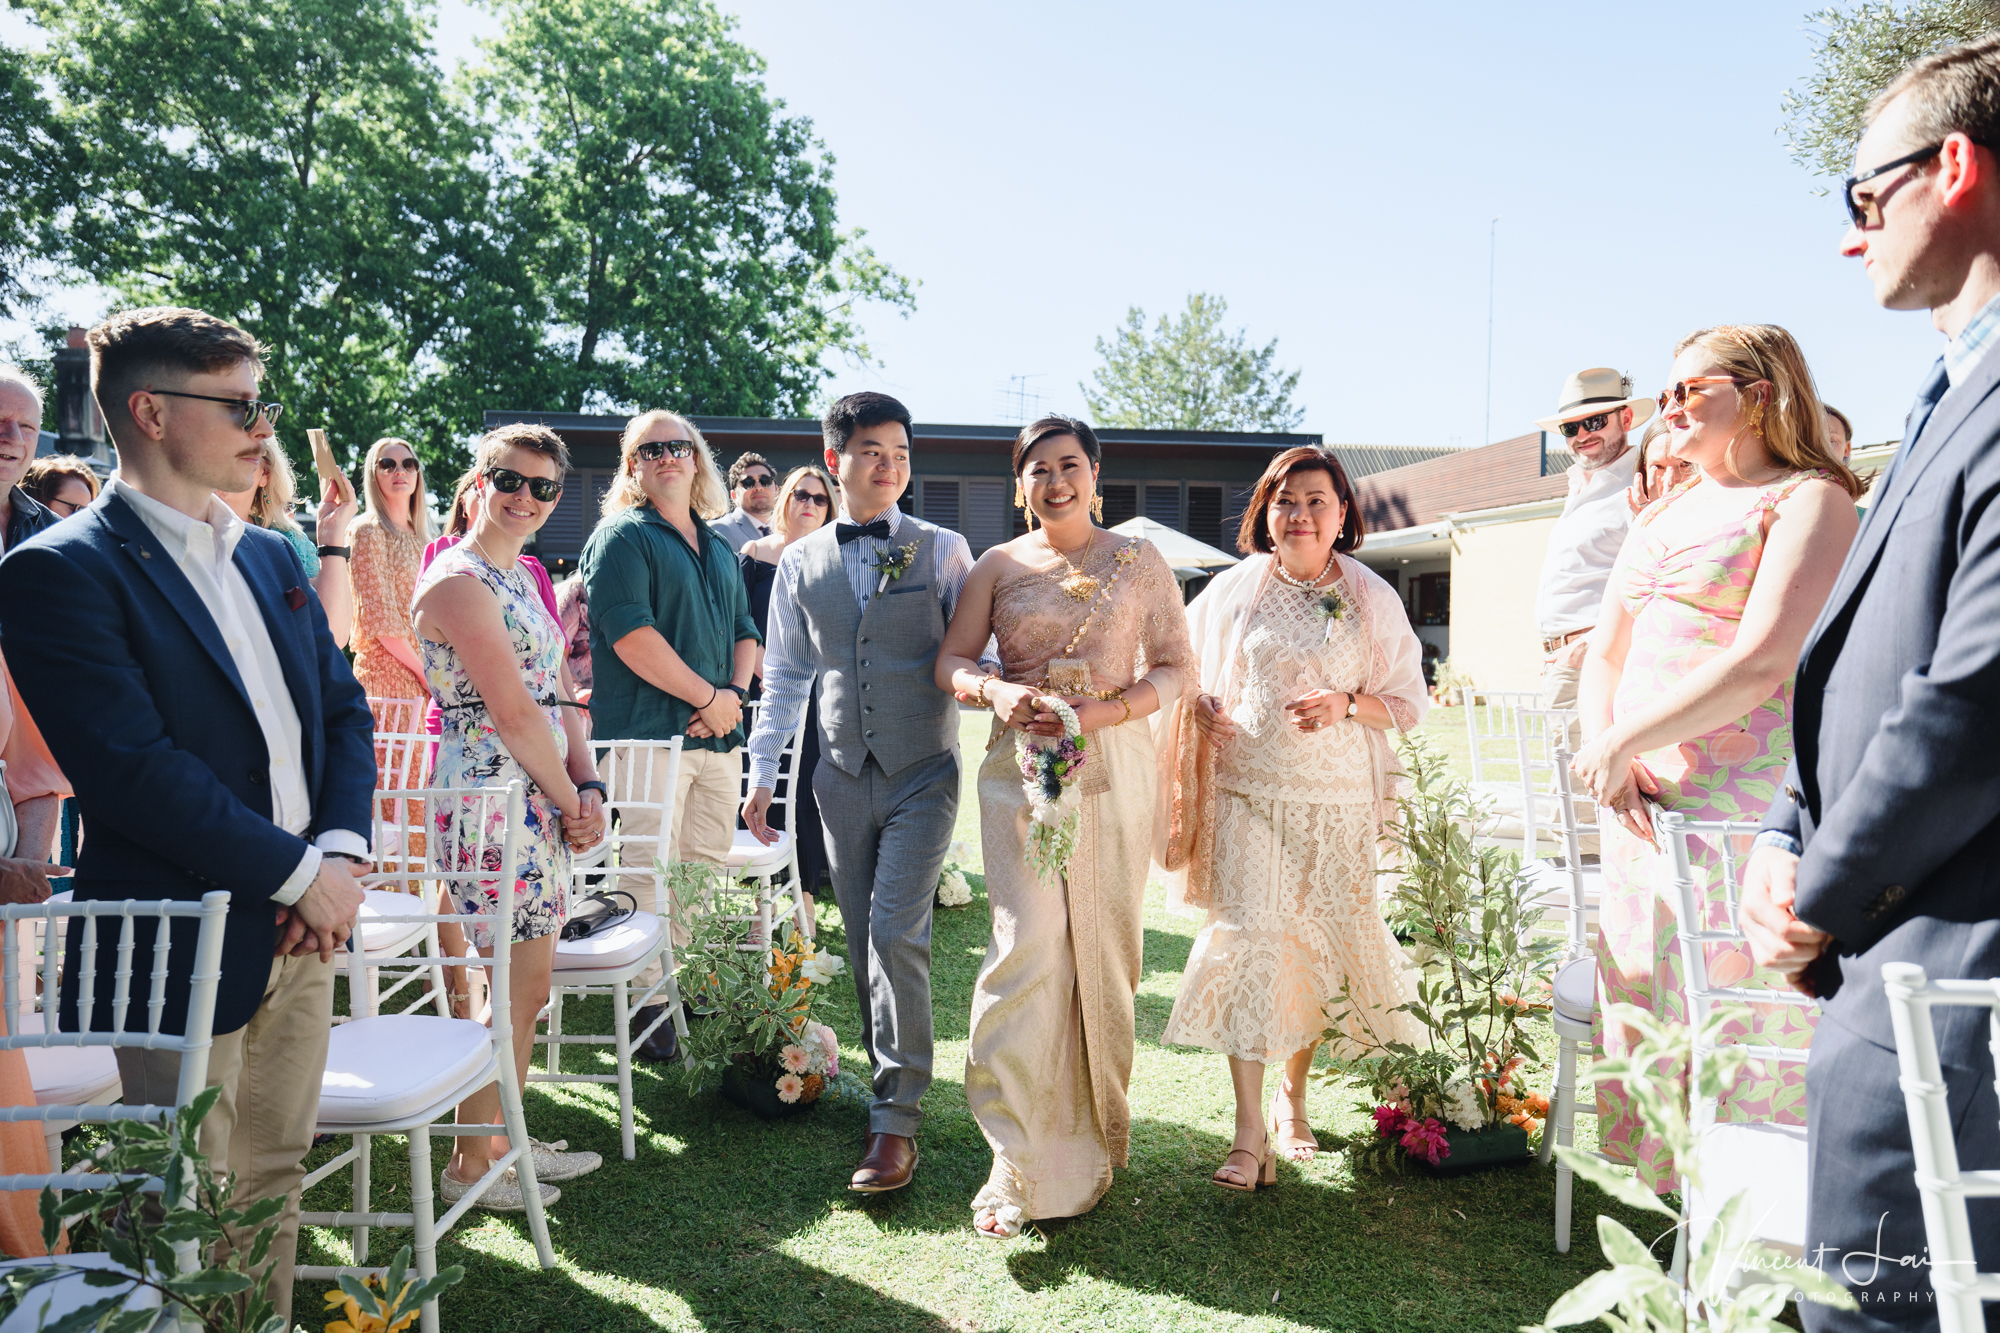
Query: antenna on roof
(1019, 404)
(1492, 245)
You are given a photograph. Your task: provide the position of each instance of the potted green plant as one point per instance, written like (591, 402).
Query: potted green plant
(758, 1040)
(1449, 685)
(1459, 1100)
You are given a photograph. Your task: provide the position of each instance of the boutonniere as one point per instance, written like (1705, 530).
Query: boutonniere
(894, 564)
(295, 598)
(1329, 607)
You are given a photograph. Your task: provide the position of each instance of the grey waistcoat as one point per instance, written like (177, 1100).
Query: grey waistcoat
(877, 688)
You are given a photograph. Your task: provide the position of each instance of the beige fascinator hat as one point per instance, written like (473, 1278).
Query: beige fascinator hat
(1600, 389)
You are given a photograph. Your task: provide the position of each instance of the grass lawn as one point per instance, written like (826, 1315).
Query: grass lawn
(727, 1222)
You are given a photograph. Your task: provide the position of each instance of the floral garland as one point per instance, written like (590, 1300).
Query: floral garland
(1050, 773)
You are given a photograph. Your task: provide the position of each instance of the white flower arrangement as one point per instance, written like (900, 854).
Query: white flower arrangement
(1049, 774)
(952, 889)
(1462, 1106)
(820, 967)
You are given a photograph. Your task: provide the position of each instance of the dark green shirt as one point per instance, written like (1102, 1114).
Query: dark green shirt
(637, 571)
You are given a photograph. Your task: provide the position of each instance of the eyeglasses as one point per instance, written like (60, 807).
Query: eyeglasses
(62, 508)
(812, 498)
(507, 481)
(757, 483)
(653, 450)
(1868, 212)
(1598, 422)
(391, 464)
(1678, 395)
(243, 411)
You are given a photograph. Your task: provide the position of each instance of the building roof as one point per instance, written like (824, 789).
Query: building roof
(1507, 473)
(1365, 460)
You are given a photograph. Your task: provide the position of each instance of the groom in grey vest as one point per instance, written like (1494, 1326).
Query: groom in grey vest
(862, 604)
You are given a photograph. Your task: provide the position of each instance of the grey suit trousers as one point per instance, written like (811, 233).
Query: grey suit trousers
(885, 843)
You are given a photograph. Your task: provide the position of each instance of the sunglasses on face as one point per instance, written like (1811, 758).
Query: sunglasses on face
(757, 483)
(1598, 422)
(243, 411)
(653, 450)
(507, 481)
(391, 464)
(810, 498)
(1678, 395)
(1867, 212)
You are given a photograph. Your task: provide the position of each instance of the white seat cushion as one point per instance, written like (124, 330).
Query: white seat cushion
(49, 1302)
(394, 1065)
(747, 852)
(1769, 1161)
(621, 945)
(70, 1075)
(1576, 990)
(393, 937)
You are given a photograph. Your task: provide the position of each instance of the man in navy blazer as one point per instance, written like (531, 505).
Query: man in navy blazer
(1884, 845)
(183, 674)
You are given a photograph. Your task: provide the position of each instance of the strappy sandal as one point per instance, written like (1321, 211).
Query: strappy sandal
(1291, 1145)
(1263, 1169)
(999, 1210)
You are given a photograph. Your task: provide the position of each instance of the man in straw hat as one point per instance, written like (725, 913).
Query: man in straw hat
(1597, 412)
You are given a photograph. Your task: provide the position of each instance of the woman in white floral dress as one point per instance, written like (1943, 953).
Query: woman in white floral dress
(1278, 799)
(492, 655)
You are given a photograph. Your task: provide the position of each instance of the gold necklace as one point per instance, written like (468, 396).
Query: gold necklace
(1079, 585)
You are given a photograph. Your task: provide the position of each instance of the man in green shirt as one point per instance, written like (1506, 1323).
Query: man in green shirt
(672, 650)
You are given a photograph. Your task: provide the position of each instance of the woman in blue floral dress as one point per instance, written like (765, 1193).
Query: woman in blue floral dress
(492, 656)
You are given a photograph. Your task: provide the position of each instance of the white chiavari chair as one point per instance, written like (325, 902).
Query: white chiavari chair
(1490, 732)
(402, 1073)
(1574, 1006)
(752, 861)
(403, 753)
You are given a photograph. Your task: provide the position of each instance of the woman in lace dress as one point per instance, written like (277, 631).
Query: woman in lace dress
(493, 656)
(388, 548)
(1279, 791)
(1686, 692)
(1096, 619)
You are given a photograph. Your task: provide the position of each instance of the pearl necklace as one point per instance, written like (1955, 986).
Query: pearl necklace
(1278, 568)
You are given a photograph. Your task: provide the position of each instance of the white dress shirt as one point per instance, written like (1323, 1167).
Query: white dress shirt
(205, 552)
(788, 664)
(1584, 546)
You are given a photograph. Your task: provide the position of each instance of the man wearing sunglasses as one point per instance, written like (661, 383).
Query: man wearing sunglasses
(1596, 415)
(1879, 849)
(753, 489)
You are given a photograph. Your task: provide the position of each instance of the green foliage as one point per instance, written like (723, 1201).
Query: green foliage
(1190, 375)
(1856, 53)
(1469, 920)
(1635, 1295)
(142, 1231)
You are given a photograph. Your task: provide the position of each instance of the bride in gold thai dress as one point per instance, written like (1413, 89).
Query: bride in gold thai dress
(1095, 618)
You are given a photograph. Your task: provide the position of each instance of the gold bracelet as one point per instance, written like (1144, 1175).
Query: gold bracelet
(979, 695)
(1128, 709)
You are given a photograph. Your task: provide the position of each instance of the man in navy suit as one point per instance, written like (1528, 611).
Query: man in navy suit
(183, 674)
(1884, 845)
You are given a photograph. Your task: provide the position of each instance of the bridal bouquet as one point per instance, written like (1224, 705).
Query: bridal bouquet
(1049, 772)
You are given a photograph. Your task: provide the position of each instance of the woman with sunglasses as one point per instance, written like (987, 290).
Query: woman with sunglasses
(493, 656)
(805, 504)
(388, 548)
(1686, 691)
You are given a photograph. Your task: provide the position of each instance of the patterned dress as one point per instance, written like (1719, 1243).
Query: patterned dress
(1294, 917)
(1686, 604)
(384, 567)
(471, 754)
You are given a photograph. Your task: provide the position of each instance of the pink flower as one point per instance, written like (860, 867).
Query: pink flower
(1389, 1120)
(795, 1059)
(789, 1088)
(1425, 1139)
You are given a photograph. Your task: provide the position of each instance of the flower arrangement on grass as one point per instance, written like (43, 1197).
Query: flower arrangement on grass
(1049, 771)
(759, 1007)
(953, 890)
(1468, 921)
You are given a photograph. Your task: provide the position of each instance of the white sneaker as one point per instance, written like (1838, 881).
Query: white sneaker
(504, 1197)
(553, 1162)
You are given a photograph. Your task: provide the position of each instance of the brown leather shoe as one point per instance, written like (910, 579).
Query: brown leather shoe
(888, 1164)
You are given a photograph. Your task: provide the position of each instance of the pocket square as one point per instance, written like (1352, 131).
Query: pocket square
(295, 598)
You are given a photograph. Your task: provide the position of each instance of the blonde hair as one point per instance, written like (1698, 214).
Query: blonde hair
(271, 503)
(1793, 424)
(420, 522)
(790, 484)
(710, 498)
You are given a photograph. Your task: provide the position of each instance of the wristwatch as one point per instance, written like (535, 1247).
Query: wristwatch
(344, 552)
(1353, 706)
(741, 693)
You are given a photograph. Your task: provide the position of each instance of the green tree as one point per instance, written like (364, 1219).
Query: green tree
(676, 229)
(1856, 52)
(295, 165)
(1190, 375)
(39, 162)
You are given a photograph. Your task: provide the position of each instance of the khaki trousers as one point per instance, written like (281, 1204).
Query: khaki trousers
(262, 1126)
(1559, 691)
(707, 795)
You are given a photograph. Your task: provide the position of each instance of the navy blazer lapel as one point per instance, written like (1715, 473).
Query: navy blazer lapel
(144, 549)
(1944, 422)
(280, 621)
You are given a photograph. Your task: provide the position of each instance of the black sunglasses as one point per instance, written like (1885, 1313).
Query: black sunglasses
(507, 481)
(810, 498)
(243, 411)
(391, 464)
(653, 450)
(1868, 212)
(1598, 422)
(758, 482)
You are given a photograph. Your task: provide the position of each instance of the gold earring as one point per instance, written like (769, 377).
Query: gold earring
(1097, 507)
(1020, 497)
(1757, 416)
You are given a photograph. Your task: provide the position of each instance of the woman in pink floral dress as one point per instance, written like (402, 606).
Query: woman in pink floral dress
(1686, 692)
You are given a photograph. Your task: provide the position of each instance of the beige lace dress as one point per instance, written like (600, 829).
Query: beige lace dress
(1050, 1057)
(1292, 918)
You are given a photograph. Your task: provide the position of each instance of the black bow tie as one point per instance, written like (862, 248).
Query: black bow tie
(849, 532)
